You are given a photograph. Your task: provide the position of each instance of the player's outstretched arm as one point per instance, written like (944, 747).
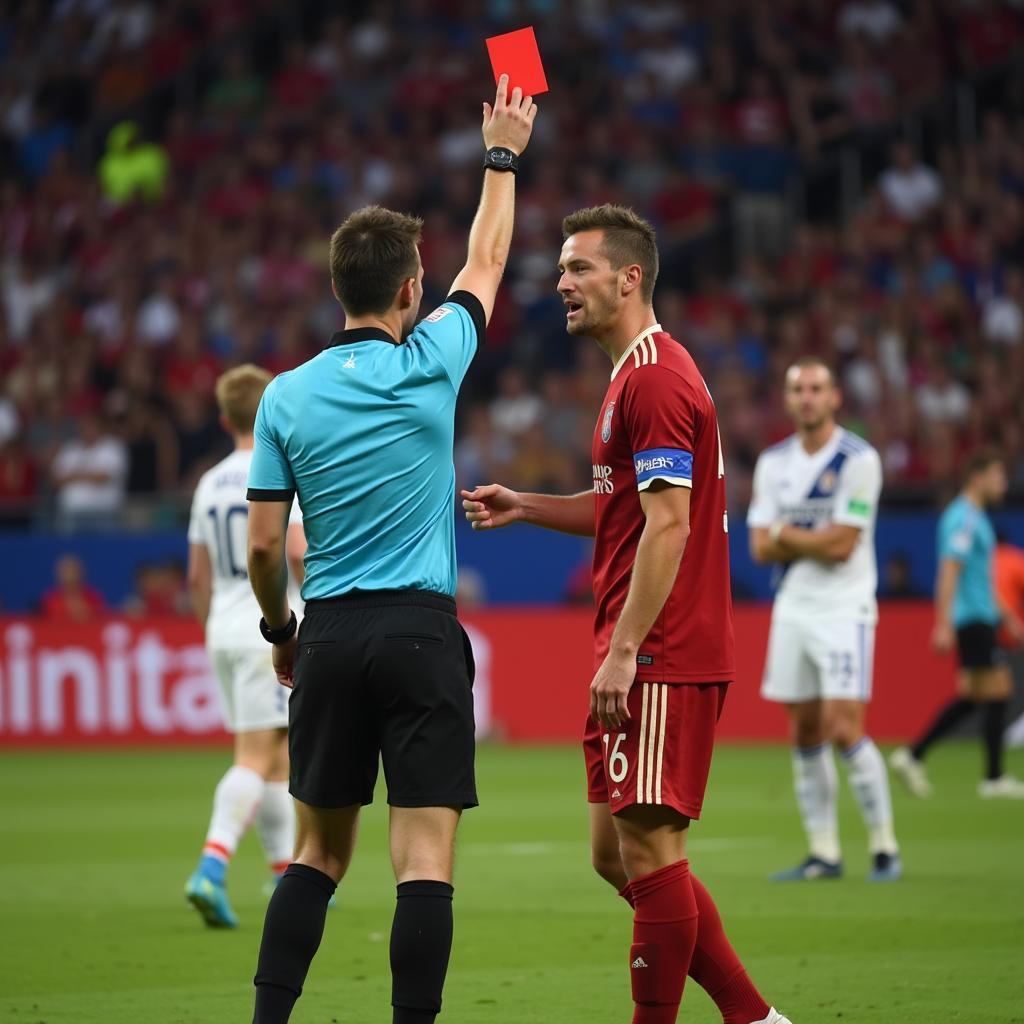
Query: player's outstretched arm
(492, 506)
(508, 124)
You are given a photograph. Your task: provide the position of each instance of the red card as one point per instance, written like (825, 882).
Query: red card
(515, 54)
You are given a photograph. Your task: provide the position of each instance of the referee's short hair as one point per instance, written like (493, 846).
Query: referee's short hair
(628, 238)
(238, 395)
(372, 253)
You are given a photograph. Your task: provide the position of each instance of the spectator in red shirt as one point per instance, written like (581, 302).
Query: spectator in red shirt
(684, 208)
(191, 366)
(170, 45)
(160, 592)
(18, 481)
(988, 34)
(72, 599)
(759, 117)
(298, 86)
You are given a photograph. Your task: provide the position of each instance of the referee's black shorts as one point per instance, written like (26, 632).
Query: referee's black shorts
(383, 676)
(978, 646)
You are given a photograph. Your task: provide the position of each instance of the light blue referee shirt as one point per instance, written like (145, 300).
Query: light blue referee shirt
(966, 534)
(363, 433)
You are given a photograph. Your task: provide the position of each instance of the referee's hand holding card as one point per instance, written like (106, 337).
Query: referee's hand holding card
(509, 122)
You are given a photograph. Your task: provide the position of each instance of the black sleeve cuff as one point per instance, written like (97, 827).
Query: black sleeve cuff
(258, 494)
(472, 305)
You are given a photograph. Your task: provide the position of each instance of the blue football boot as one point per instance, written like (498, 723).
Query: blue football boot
(812, 869)
(885, 867)
(211, 900)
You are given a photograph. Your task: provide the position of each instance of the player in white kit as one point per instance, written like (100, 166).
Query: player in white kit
(813, 514)
(255, 787)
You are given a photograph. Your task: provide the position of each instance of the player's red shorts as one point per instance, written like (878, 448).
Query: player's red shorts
(662, 755)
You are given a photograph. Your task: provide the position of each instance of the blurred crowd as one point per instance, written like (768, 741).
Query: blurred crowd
(170, 173)
(159, 592)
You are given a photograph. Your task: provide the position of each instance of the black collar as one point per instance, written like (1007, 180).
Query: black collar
(355, 334)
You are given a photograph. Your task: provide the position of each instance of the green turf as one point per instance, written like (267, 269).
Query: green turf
(95, 848)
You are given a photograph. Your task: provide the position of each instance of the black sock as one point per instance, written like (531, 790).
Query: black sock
(949, 717)
(292, 932)
(994, 726)
(421, 942)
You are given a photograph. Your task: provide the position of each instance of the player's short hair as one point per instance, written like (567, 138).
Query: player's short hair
(805, 361)
(980, 460)
(628, 238)
(239, 391)
(372, 253)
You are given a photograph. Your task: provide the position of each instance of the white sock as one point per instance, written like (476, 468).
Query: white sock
(865, 769)
(235, 801)
(815, 783)
(276, 825)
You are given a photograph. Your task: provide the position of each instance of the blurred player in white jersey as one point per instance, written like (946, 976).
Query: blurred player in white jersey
(813, 514)
(255, 787)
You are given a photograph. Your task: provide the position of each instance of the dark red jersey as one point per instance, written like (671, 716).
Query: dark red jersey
(658, 422)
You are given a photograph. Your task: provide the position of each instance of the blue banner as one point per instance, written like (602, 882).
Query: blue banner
(519, 565)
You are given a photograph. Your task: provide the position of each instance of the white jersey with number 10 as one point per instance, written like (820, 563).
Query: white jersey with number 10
(220, 522)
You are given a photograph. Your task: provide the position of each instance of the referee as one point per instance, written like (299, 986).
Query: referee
(968, 612)
(381, 668)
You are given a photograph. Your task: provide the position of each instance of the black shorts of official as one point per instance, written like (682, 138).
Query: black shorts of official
(978, 646)
(383, 677)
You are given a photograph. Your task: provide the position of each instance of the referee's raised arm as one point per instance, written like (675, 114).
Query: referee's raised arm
(507, 127)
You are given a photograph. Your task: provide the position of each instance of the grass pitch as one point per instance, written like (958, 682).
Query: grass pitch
(95, 850)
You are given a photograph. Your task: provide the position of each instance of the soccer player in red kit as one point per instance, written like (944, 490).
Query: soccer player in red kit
(663, 622)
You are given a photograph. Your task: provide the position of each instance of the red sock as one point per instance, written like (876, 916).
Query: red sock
(664, 933)
(718, 970)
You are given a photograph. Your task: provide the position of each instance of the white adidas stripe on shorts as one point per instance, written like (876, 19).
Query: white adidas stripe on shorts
(651, 757)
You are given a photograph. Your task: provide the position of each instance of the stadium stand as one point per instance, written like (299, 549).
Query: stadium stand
(173, 170)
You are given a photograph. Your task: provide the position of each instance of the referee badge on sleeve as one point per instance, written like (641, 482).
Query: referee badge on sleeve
(439, 314)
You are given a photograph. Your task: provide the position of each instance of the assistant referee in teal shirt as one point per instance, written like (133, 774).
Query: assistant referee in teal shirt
(968, 612)
(381, 668)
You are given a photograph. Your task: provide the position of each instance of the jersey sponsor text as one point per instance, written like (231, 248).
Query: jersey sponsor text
(603, 483)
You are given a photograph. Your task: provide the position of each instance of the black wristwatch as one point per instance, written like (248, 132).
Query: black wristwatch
(498, 158)
(282, 635)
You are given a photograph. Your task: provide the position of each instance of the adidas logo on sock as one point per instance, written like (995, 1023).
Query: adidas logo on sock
(639, 962)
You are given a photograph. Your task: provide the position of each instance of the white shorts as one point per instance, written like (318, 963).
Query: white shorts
(819, 660)
(251, 696)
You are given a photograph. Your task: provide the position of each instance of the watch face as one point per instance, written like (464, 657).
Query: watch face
(500, 157)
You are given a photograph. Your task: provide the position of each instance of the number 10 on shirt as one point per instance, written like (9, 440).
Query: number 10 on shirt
(229, 547)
